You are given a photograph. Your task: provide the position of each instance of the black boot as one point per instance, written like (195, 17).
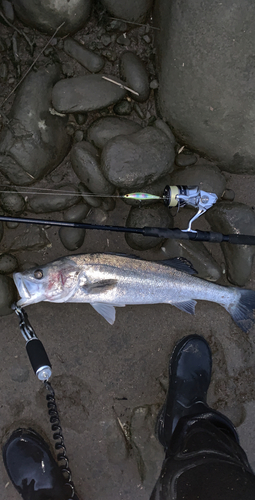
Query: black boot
(189, 378)
(32, 469)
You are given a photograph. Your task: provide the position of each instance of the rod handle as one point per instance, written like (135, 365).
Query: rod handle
(38, 359)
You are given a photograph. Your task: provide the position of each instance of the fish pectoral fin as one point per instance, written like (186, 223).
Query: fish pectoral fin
(187, 306)
(180, 264)
(106, 310)
(99, 286)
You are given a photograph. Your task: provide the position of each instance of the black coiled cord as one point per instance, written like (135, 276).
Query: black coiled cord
(58, 436)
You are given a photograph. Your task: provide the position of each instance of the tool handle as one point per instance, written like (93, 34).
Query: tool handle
(38, 359)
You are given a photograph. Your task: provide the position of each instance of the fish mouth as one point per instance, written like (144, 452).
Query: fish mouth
(29, 291)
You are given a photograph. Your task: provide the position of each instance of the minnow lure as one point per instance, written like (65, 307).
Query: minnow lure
(142, 196)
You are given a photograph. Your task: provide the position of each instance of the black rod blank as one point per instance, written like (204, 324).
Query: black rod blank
(157, 232)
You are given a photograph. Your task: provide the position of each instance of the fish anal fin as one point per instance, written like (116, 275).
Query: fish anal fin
(106, 310)
(188, 306)
(99, 286)
(180, 264)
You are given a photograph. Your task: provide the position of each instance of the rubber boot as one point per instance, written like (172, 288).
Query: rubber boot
(32, 469)
(189, 378)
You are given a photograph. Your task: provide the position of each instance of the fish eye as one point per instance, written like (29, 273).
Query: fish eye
(38, 274)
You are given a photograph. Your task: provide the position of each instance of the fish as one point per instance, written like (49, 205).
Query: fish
(108, 280)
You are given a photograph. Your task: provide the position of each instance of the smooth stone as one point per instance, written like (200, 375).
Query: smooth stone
(48, 15)
(88, 197)
(133, 10)
(133, 71)
(8, 295)
(35, 141)
(234, 218)
(90, 60)
(85, 162)
(81, 118)
(123, 40)
(204, 93)
(208, 177)
(78, 136)
(108, 204)
(117, 25)
(12, 225)
(134, 160)
(106, 40)
(153, 216)
(195, 252)
(33, 238)
(228, 195)
(67, 69)
(8, 263)
(86, 93)
(156, 188)
(66, 197)
(76, 213)
(154, 84)
(123, 108)
(8, 10)
(71, 238)
(161, 125)
(104, 129)
(97, 216)
(183, 160)
(12, 203)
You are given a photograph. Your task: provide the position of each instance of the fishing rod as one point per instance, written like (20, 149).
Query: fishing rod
(173, 196)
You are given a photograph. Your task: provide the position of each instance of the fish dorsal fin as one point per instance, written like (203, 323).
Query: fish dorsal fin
(188, 306)
(99, 286)
(180, 264)
(106, 310)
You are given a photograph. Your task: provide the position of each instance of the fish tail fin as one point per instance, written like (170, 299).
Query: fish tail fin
(242, 311)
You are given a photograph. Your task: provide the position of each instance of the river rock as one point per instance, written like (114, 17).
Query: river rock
(8, 295)
(234, 218)
(65, 197)
(76, 213)
(8, 263)
(11, 202)
(104, 129)
(195, 252)
(133, 71)
(72, 238)
(185, 160)
(35, 141)
(48, 15)
(123, 108)
(133, 10)
(206, 81)
(108, 204)
(161, 125)
(88, 197)
(89, 59)
(86, 93)
(85, 163)
(153, 216)
(208, 178)
(33, 238)
(134, 160)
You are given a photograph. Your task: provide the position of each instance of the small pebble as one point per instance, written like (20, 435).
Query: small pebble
(108, 204)
(123, 40)
(76, 213)
(184, 160)
(106, 40)
(228, 195)
(8, 263)
(67, 69)
(11, 80)
(110, 55)
(147, 39)
(78, 136)
(12, 225)
(117, 25)
(154, 84)
(88, 197)
(70, 128)
(19, 373)
(81, 118)
(3, 71)
(133, 71)
(87, 58)
(97, 216)
(12, 203)
(72, 238)
(123, 108)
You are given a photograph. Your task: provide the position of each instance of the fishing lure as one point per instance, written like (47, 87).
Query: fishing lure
(141, 196)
